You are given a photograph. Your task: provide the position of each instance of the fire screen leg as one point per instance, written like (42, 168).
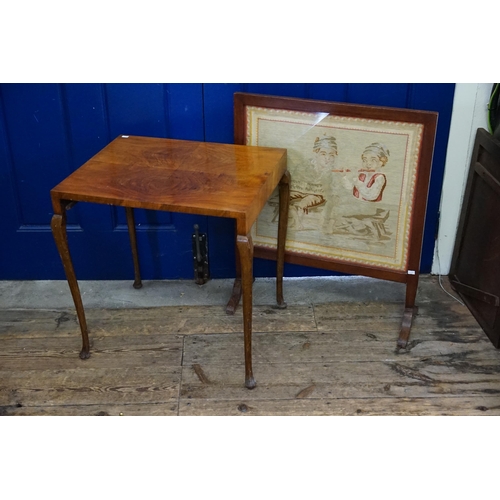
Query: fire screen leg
(284, 192)
(410, 310)
(235, 296)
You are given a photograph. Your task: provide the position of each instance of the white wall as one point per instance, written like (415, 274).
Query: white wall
(469, 113)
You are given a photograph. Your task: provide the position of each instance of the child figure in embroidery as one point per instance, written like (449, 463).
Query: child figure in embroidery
(312, 201)
(370, 183)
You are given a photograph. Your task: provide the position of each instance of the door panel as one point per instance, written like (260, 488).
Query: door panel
(328, 91)
(86, 116)
(49, 130)
(394, 95)
(135, 109)
(434, 97)
(38, 144)
(218, 111)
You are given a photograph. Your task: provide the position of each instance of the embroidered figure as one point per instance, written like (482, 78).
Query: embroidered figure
(370, 183)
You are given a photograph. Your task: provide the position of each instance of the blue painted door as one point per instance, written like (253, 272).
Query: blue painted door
(49, 130)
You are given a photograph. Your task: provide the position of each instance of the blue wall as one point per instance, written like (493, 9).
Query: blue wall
(49, 130)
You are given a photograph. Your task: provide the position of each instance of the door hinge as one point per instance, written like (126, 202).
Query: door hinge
(200, 256)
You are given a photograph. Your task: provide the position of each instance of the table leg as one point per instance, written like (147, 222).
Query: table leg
(284, 202)
(58, 225)
(245, 250)
(133, 243)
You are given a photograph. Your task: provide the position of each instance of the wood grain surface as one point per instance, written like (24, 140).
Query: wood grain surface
(223, 180)
(316, 359)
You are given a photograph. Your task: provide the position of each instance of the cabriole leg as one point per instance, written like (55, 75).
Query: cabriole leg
(133, 243)
(58, 225)
(245, 250)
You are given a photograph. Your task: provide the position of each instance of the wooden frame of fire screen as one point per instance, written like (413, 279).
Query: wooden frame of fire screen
(359, 185)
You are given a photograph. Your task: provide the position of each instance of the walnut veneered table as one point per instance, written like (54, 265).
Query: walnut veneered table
(203, 178)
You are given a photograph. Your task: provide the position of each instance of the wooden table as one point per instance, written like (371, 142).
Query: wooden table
(214, 179)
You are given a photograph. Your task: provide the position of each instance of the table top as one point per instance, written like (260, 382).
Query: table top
(224, 180)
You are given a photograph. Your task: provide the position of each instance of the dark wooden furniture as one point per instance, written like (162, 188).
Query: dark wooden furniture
(475, 267)
(181, 176)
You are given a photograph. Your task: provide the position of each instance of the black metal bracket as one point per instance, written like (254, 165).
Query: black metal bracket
(200, 256)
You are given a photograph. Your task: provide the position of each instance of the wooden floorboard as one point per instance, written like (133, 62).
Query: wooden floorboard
(99, 410)
(465, 406)
(318, 359)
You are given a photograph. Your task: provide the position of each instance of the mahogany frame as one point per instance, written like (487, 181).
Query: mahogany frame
(428, 120)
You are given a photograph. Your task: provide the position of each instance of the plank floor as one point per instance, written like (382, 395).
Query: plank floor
(317, 359)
